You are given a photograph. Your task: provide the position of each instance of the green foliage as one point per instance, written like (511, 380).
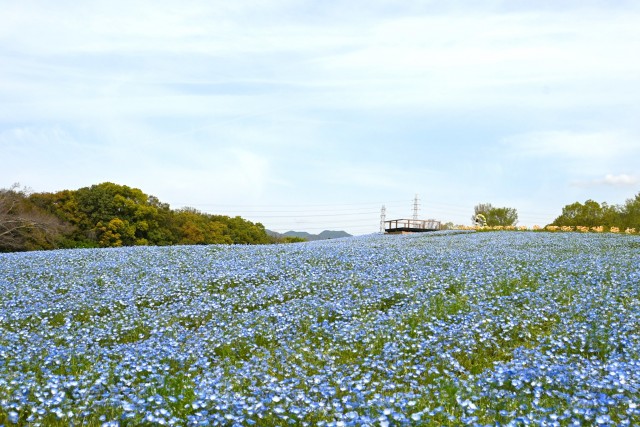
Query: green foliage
(495, 216)
(193, 227)
(286, 239)
(293, 239)
(589, 214)
(119, 215)
(630, 213)
(111, 215)
(594, 214)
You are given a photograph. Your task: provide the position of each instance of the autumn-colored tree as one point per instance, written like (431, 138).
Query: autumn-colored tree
(24, 226)
(138, 217)
(109, 214)
(197, 228)
(64, 205)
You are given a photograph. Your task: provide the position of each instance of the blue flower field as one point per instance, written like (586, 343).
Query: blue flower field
(433, 329)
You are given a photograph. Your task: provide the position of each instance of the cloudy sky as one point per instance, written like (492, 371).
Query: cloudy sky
(311, 115)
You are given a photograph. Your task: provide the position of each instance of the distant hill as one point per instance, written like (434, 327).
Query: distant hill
(325, 235)
(331, 234)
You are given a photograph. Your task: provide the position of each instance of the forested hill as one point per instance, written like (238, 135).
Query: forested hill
(108, 215)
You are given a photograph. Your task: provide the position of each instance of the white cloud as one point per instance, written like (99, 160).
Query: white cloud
(230, 101)
(609, 180)
(571, 144)
(560, 167)
(575, 157)
(620, 180)
(443, 54)
(485, 60)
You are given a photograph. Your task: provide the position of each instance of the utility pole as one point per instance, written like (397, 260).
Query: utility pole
(383, 216)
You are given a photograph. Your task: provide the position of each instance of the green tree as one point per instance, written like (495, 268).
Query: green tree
(589, 214)
(293, 239)
(247, 232)
(196, 228)
(611, 215)
(482, 209)
(495, 216)
(502, 216)
(138, 217)
(630, 213)
(593, 214)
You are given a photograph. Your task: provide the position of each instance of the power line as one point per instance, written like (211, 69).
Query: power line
(356, 221)
(352, 211)
(352, 228)
(339, 207)
(329, 205)
(356, 215)
(314, 215)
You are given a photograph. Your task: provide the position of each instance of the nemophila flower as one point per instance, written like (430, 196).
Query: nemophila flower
(355, 332)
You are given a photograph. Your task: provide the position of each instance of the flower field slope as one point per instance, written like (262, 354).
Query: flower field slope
(501, 328)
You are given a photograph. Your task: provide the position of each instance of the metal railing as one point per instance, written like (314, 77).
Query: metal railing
(411, 225)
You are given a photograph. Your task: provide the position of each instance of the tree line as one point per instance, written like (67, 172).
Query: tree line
(111, 215)
(594, 214)
(587, 214)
